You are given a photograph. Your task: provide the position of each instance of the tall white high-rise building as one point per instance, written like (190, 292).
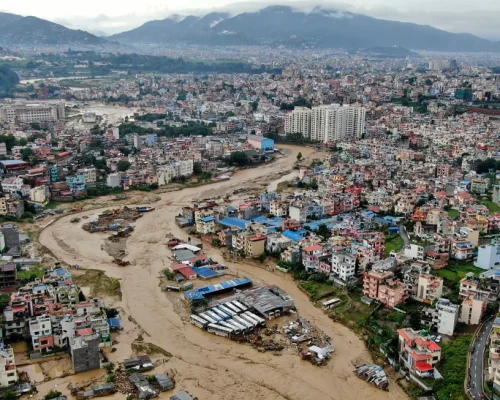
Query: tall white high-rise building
(299, 121)
(335, 122)
(327, 123)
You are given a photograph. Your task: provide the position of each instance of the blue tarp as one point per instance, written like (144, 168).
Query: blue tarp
(205, 272)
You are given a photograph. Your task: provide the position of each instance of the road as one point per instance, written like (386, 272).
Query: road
(404, 235)
(477, 360)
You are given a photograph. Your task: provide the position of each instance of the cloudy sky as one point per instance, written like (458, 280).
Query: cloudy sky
(113, 16)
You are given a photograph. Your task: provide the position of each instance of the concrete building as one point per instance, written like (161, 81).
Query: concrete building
(32, 112)
(113, 180)
(488, 256)
(42, 339)
(447, 316)
(473, 307)
(343, 266)
(382, 286)
(85, 353)
(327, 123)
(430, 288)
(8, 370)
(299, 121)
(418, 353)
(335, 122)
(89, 174)
(12, 185)
(40, 194)
(261, 143)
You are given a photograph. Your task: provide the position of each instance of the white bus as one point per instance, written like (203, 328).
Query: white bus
(330, 303)
(231, 306)
(240, 327)
(227, 324)
(239, 305)
(226, 310)
(208, 318)
(249, 319)
(214, 315)
(198, 321)
(219, 330)
(260, 320)
(243, 322)
(221, 314)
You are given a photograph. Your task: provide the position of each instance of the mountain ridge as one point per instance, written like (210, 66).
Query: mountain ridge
(30, 30)
(321, 28)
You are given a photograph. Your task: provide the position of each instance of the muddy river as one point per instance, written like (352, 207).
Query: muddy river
(210, 367)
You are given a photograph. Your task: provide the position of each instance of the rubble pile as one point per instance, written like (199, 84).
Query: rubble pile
(117, 220)
(373, 374)
(317, 348)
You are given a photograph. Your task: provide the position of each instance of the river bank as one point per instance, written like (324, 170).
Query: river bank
(207, 366)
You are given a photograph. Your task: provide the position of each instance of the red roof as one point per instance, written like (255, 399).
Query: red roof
(186, 272)
(85, 332)
(313, 248)
(423, 366)
(176, 267)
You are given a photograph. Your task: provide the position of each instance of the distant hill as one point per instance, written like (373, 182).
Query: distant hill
(320, 28)
(18, 30)
(389, 52)
(8, 79)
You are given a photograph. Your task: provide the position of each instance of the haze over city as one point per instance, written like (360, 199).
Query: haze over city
(111, 17)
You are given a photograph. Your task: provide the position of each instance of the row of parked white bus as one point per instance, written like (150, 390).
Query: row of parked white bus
(228, 319)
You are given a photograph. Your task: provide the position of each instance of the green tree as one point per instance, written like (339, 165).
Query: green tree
(324, 232)
(239, 158)
(299, 156)
(27, 153)
(9, 395)
(123, 165)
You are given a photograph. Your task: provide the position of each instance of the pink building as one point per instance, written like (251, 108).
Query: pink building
(384, 287)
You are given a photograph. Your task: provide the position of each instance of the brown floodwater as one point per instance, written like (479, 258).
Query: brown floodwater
(207, 366)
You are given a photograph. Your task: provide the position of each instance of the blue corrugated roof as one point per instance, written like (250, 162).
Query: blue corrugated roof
(232, 222)
(207, 219)
(200, 293)
(296, 236)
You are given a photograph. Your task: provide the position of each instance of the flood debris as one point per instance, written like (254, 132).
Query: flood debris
(114, 220)
(373, 374)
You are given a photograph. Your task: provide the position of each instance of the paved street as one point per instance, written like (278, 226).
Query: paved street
(477, 361)
(404, 235)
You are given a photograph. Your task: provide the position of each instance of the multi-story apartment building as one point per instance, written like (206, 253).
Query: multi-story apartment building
(327, 123)
(443, 317)
(89, 174)
(382, 286)
(343, 266)
(12, 185)
(473, 308)
(8, 370)
(41, 333)
(299, 121)
(430, 288)
(418, 353)
(312, 256)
